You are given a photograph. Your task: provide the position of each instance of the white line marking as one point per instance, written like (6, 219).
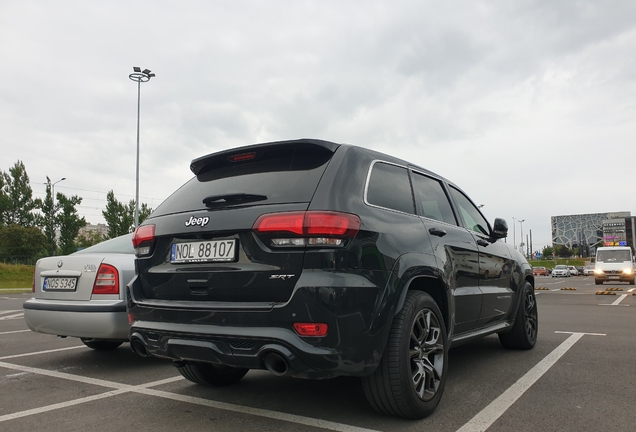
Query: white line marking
(631, 290)
(496, 408)
(40, 352)
(15, 331)
(618, 300)
(144, 389)
(16, 316)
(9, 311)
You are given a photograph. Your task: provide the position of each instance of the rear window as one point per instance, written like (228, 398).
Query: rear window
(121, 244)
(266, 175)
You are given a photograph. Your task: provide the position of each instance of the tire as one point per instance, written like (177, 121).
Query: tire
(631, 282)
(526, 327)
(211, 375)
(598, 282)
(411, 376)
(101, 345)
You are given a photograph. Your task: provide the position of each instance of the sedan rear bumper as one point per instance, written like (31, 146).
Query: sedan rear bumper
(91, 320)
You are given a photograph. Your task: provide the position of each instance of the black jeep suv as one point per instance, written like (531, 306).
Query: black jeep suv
(314, 259)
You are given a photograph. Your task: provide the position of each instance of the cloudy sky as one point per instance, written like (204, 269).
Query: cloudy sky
(529, 106)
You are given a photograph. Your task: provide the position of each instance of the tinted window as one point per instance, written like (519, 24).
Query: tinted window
(121, 244)
(284, 174)
(389, 187)
(432, 199)
(473, 219)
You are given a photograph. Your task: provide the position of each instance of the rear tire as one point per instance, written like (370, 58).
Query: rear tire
(101, 345)
(598, 282)
(211, 375)
(411, 376)
(526, 327)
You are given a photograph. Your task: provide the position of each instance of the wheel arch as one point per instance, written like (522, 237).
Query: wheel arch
(433, 287)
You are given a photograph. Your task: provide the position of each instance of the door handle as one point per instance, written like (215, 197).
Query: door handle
(437, 232)
(483, 243)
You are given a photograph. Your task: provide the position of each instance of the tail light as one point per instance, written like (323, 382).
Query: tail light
(107, 280)
(143, 240)
(310, 228)
(311, 329)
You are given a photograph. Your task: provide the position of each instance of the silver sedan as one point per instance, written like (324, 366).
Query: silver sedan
(83, 294)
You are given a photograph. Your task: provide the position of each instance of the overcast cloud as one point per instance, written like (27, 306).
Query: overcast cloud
(529, 106)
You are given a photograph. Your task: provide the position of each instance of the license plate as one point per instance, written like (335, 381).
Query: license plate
(614, 277)
(204, 251)
(59, 283)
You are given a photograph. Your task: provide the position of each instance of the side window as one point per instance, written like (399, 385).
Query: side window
(474, 220)
(389, 187)
(434, 203)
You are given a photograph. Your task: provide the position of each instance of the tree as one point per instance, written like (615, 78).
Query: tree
(89, 238)
(23, 242)
(69, 222)
(4, 198)
(19, 202)
(120, 217)
(563, 251)
(547, 252)
(46, 220)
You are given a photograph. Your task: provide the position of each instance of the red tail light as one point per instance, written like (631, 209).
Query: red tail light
(311, 329)
(143, 239)
(310, 223)
(107, 280)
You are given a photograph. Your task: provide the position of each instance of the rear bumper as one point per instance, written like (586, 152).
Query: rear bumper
(244, 336)
(91, 320)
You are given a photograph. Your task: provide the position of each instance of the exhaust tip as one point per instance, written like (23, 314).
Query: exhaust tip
(138, 347)
(276, 364)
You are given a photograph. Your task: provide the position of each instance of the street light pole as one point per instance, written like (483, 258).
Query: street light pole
(514, 233)
(521, 221)
(53, 215)
(138, 76)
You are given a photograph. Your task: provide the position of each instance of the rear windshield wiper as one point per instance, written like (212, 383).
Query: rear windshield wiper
(231, 199)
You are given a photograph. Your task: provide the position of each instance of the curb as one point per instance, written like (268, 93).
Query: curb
(605, 293)
(613, 289)
(568, 289)
(546, 289)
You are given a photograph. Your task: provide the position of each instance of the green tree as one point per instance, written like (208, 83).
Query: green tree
(46, 220)
(547, 252)
(19, 203)
(4, 198)
(120, 217)
(563, 251)
(69, 222)
(25, 242)
(89, 239)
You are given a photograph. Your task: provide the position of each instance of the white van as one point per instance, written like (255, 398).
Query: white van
(614, 264)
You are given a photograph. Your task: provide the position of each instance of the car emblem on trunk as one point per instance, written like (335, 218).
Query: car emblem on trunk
(202, 221)
(60, 263)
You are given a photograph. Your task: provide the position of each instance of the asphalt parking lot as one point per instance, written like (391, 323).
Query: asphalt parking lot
(581, 376)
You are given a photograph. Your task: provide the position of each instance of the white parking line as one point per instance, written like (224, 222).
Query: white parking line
(15, 331)
(144, 389)
(496, 408)
(616, 303)
(40, 352)
(9, 311)
(16, 316)
(631, 290)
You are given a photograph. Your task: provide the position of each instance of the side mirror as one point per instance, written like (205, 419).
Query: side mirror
(500, 229)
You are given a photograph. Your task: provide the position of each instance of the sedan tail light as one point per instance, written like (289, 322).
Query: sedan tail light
(107, 280)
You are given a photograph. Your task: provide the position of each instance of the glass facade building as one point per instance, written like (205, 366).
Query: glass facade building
(589, 231)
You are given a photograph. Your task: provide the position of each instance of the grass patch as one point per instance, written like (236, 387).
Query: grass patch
(15, 276)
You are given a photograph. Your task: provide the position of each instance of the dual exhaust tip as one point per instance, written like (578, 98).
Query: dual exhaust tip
(274, 362)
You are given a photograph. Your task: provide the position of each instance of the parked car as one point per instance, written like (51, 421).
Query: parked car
(561, 271)
(573, 271)
(540, 271)
(314, 260)
(83, 294)
(580, 270)
(588, 270)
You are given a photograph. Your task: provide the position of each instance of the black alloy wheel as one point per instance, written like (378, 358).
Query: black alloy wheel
(410, 379)
(526, 327)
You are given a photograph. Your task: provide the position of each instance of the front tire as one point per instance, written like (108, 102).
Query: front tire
(598, 282)
(411, 376)
(526, 327)
(210, 375)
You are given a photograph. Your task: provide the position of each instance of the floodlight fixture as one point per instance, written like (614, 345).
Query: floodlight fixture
(136, 69)
(146, 71)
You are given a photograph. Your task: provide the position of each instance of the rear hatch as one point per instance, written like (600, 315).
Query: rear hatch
(203, 245)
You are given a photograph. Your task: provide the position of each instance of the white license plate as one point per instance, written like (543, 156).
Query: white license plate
(59, 283)
(614, 277)
(204, 251)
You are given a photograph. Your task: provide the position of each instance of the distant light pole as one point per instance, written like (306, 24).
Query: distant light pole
(53, 215)
(521, 221)
(139, 76)
(514, 233)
